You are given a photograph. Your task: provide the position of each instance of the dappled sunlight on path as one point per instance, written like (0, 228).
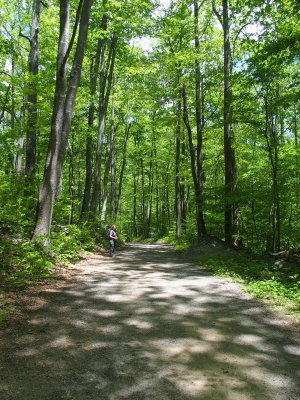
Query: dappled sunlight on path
(147, 324)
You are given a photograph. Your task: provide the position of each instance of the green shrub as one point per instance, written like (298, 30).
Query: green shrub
(261, 278)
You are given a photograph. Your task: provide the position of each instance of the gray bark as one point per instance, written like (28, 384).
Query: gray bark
(94, 75)
(231, 212)
(62, 114)
(32, 98)
(118, 209)
(178, 200)
(106, 75)
(197, 185)
(19, 160)
(113, 172)
(199, 127)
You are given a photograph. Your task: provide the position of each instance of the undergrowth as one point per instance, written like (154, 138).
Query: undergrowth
(24, 261)
(261, 278)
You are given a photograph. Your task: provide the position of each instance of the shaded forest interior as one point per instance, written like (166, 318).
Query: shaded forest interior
(172, 119)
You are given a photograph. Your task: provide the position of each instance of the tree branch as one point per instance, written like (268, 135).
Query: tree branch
(73, 35)
(24, 36)
(217, 12)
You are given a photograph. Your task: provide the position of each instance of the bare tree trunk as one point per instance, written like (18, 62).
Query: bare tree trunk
(113, 165)
(143, 194)
(135, 230)
(71, 182)
(106, 75)
(109, 170)
(19, 161)
(178, 192)
(94, 74)
(6, 98)
(197, 187)
(271, 136)
(62, 112)
(199, 127)
(149, 199)
(158, 230)
(231, 212)
(32, 98)
(118, 209)
(105, 186)
(13, 114)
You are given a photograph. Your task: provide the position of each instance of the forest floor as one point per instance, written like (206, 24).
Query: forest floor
(146, 324)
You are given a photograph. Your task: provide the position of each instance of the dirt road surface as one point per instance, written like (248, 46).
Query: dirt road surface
(147, 325)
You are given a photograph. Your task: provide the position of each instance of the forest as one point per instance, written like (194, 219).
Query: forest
(173, 119)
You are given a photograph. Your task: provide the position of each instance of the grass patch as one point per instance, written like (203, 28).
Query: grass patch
(261, 278)
(5, 310)
(180, 244)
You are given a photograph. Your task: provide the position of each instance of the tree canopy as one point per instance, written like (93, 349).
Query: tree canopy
(176, 118)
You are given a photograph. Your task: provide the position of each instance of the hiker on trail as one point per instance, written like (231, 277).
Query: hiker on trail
(112, 238)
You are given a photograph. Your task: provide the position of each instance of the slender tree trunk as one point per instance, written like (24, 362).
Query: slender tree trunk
(135, 231)
(88, 176)
(62, 113)
(295, 118)
(199, 127)
(94, 74)
(113, 165)
(183, 190)
(13, 114)
(197, 186)
(6, 99)
(106, 75)
(32, 99)
(271, 136)
(105, 186)
(178, 191)
(71, 182)
(158, 230)
(108, 172)
(149, 199)
(19, 161)
(231, 212)
(143, 196)
(122, 169)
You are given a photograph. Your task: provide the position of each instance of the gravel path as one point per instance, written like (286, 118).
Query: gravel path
(147, 325)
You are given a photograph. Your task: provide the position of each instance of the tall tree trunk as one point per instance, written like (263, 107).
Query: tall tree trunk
(118, 209)
(108, 172)
(6, 99)
(183, 190)
(62, 111)
(178, 192)
(231, 211)
(143, 196)
(94, 74)
(106, 74)
(32, 98)
(271, 136)
(149, 199)
(19, 160)
(71, 181)
(199, 127)
(158, 230)
(13, 101)
(113, 165)
(197, 186)
(135, 230)
(105, 185)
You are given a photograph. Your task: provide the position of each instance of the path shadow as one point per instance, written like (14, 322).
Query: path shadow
(148, 325)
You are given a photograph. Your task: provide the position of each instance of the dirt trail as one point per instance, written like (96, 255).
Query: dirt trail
(147, 325)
